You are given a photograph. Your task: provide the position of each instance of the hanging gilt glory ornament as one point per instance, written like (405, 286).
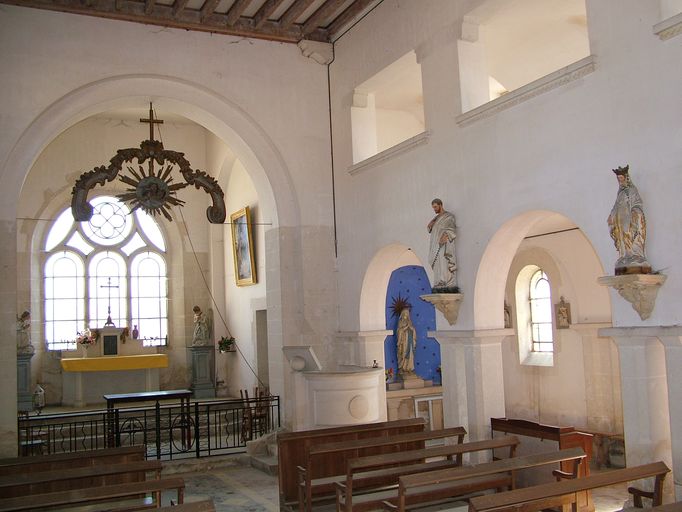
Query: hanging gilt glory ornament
(152, 187)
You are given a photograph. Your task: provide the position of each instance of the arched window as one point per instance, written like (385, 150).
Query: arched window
(111, 266)
(540, 299)
(534, 323)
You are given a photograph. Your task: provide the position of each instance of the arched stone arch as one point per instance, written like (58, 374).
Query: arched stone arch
(373, 295)
(249, 141)
(225, 119)
(493, 269)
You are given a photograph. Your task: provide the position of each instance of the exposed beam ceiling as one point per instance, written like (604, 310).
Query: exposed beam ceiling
(278, 20)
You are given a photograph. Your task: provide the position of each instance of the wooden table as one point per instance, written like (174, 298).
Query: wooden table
(113, 431)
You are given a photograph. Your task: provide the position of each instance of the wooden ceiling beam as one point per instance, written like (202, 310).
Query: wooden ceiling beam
(179, 6)
(293, 12)
(148, 6)
(234, 13)
(208, 9)
(177, 15)
(324, 11)
(265, 11)
(346, 16)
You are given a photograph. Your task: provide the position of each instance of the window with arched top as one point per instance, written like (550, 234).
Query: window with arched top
(540, 299)
(113, 266)
(534, 319)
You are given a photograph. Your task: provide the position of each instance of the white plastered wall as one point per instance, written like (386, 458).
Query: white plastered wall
(264, 100)
(551, 152)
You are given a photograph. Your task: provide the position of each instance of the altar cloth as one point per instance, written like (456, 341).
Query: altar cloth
(114, 363)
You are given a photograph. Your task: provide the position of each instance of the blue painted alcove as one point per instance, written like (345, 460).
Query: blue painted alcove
(410, 282)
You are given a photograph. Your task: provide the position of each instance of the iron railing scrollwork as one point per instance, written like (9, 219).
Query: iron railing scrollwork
(216, 427)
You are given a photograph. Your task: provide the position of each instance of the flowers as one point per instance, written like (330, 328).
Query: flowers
(389, 374)
(226, 344)
(87, 337)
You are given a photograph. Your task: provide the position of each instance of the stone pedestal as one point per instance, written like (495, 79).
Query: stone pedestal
(447, 303)
(24, 394)
(473, 386)
(640, 290)
(203, 358)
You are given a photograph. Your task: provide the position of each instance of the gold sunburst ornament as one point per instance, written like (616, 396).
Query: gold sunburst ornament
(152, 190)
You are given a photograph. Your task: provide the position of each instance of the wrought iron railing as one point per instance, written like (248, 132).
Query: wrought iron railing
(217, 427)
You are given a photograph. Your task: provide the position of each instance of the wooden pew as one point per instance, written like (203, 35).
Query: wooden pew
(313, 477)
(292, 448)
(70, 460)
(457, 482)
(556, 494)
(195, 506)
(382, 471)
(24, 484)
(107, 493)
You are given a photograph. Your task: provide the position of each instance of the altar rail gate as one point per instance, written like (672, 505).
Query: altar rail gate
(217, 427)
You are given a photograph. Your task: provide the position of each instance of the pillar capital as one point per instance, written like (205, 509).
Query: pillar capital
(471, 337)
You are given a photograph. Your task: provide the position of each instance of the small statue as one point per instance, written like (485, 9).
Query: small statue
(627, 226)
(406, 336)
(24, 345)
(442, 249)
(202, 328)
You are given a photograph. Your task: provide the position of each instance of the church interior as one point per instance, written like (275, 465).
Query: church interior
(322, 131)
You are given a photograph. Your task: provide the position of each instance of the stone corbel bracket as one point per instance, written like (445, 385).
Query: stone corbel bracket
(640, 290)
(446, 303)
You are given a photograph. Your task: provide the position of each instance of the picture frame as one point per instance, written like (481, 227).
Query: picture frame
(242, 248)
(562, 313)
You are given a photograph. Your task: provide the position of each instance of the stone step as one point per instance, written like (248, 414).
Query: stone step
(265, 463)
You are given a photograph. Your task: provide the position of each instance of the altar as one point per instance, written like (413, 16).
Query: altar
(87, 379)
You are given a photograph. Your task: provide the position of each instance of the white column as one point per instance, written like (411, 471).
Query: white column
(473, 383)
(646, 418)
(473, 71)
(673, 365)
(362, 348)
(602, 379)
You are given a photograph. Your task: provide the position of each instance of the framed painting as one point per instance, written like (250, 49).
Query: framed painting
(242, 248)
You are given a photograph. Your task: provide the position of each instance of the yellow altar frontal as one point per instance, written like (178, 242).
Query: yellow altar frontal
(86, 380)
(115, 363)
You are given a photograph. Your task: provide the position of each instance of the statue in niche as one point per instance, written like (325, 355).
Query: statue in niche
(406, 336)
(627, 226)
(24, 345)
(202, 328)
(563, 314)
(507, 316)
(442, 249)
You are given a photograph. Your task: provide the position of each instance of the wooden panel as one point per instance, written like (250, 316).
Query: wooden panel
(72, 460)
(293, 446)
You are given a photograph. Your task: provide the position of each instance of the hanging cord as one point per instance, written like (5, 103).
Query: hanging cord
(210, 294)
(215, 304)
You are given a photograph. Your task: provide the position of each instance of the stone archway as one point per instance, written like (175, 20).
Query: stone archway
(375, 283)
(195, 102)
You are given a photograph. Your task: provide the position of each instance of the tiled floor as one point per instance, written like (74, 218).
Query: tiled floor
(237, 488)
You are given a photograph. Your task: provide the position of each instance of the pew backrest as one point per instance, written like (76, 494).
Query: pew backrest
(561, 493)
(39, 482)
(117, 455)
(292, 447)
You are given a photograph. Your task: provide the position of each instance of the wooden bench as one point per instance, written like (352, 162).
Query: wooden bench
(313, 477)
(70, 460)
(452, 483)
(381, 471)
(293, 447)
(107, 493)
(23, 484)
(556, 494)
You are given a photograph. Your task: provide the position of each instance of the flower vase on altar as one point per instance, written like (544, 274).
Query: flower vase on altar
(84, 351)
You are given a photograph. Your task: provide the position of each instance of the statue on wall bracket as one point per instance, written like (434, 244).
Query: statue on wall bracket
(445, 295)
(634, 279)
(152, 190)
